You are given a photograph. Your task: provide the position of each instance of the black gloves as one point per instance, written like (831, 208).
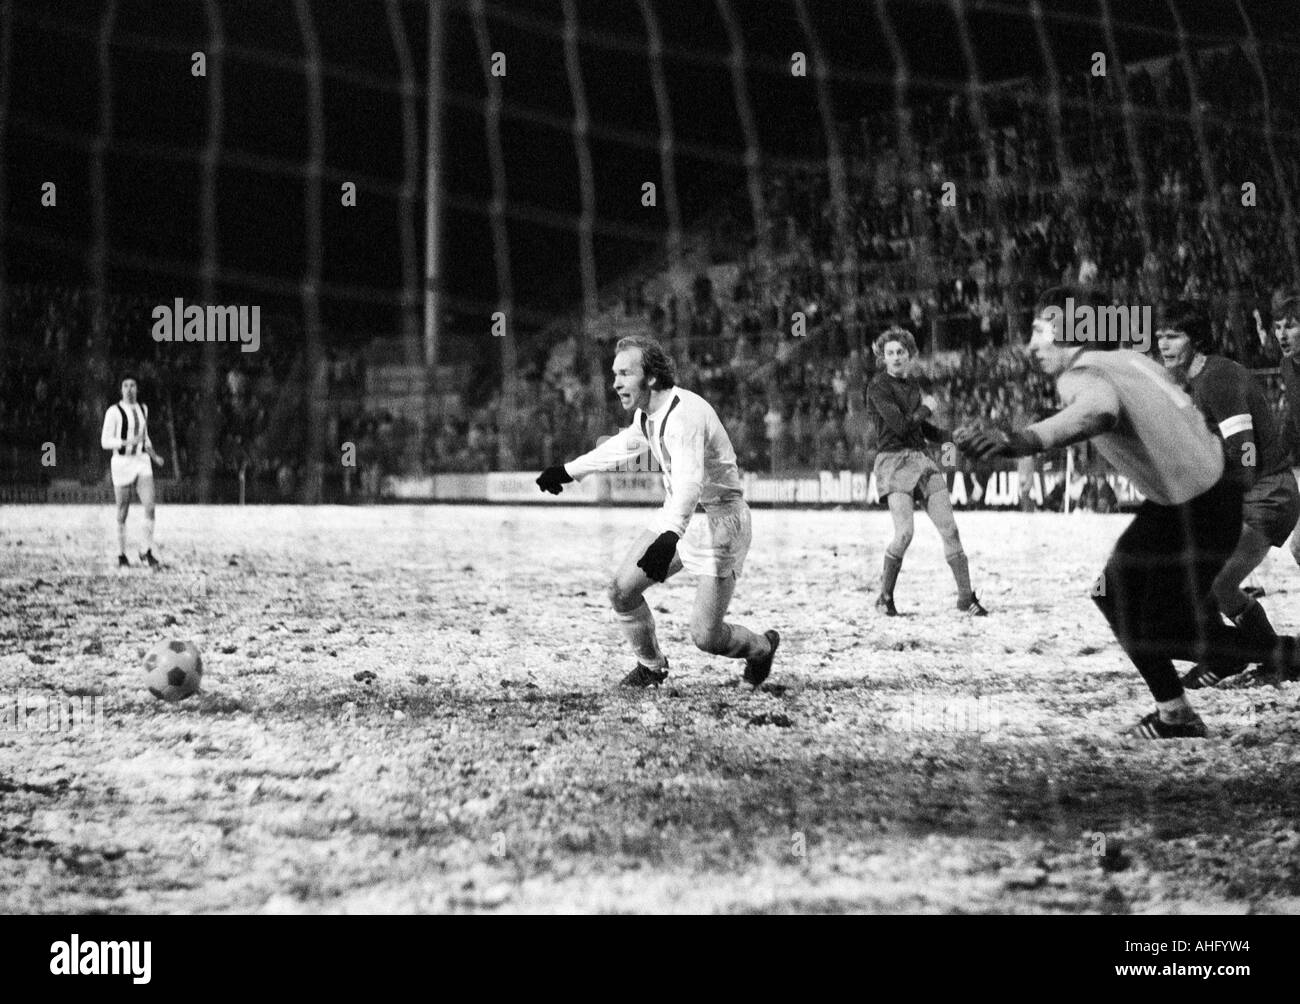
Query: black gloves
(553, 478)
(983, 444)
(658, 556)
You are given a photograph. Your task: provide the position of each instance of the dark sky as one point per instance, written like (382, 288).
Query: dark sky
(160, 127)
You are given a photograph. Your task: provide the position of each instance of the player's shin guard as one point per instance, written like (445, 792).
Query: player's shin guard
(638, 625)
(148, 533)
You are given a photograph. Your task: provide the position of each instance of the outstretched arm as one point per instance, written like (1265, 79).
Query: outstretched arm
(1093, 409)
(615, 453)
(611, 454)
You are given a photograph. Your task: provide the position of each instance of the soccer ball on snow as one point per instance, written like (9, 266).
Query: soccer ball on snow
(174, 669)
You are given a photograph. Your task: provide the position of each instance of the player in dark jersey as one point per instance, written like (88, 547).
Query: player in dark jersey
(1286, 328)
(905, 474)
(1156, 588)
(1238, 410)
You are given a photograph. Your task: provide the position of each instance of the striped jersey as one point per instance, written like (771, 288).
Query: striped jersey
(122, 423)
(1160, 440)
(694, 452)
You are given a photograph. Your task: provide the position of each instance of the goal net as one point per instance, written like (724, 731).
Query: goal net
(448, 212)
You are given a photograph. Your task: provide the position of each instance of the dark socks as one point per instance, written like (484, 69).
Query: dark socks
(889, 576)
(961, 572)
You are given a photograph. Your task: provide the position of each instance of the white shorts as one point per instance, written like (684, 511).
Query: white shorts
(717, 540)
(127, 467)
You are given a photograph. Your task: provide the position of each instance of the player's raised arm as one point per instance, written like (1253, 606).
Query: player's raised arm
(615, 453)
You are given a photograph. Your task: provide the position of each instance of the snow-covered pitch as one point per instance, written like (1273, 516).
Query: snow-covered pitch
(415, 709)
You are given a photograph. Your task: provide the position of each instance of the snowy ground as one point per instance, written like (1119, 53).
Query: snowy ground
(414, 709)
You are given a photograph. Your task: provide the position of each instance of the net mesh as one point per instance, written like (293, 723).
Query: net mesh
(808, 163)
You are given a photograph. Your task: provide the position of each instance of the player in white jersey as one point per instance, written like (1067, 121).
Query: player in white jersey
(126, 434)
(687, 440)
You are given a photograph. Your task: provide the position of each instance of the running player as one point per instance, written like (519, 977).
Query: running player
(904, 472)
(1237, 408)
(126, 433)
(1155, 590)
(694, 453)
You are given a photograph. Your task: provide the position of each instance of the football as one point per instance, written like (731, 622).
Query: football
(173, 670)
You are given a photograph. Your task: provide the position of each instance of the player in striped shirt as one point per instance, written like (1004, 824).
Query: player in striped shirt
(1237, 408)
(126, 434)
(692, 449)
(1155, 590)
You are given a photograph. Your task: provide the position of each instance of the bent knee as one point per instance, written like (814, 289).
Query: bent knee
(902, 541)
(621, 598)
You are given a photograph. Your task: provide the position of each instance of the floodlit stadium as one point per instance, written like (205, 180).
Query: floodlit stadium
(307, 308)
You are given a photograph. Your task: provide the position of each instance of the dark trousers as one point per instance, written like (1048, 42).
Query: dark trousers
(1155, 590)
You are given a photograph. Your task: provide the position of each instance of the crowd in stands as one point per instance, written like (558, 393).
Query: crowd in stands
(58, 379)
(1133, 202)
(947, 231)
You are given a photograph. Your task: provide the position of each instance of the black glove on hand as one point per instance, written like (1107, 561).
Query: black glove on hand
(984, 444)
(553, 478)
(658, 556)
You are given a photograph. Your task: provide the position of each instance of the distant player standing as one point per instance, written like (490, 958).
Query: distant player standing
(687, 440)
(1155, 590)
(126, 434)
(1236, 407)
(904, 472)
